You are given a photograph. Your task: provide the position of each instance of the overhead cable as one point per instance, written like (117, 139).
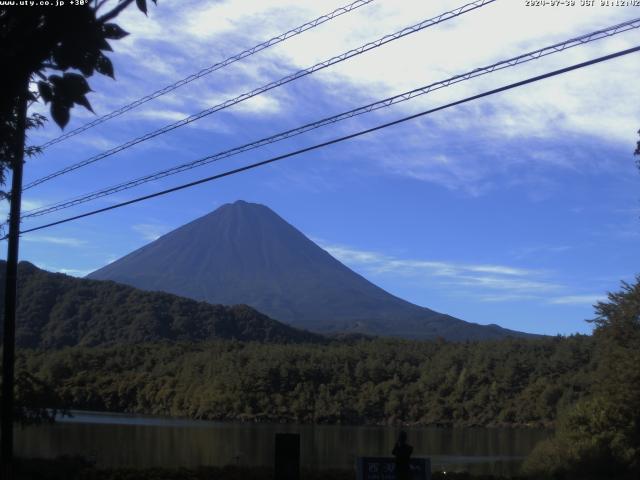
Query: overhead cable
(338, 140)
(270, 86)
(520, 59)
(206, 71)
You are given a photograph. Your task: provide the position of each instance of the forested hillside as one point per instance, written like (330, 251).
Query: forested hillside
(56, 310)
(506, 382)
(104, 346)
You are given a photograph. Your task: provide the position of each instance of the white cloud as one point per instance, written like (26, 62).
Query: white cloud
(203, 33)
(75, 272)
(111, 258)
(535, 250)
(509, 297)
(512, 282)
(504, 283)
(162, 114)
(482, 282)
(66, 241)
(150, 231)
(183, 37)
(95, 141)
(580, 103)
(31, 204)
(350, 255)
(27, 204)
(578, 299)
(499, 269)
(263, 105)
(452, 172)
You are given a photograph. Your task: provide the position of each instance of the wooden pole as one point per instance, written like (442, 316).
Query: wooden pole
(10, 293)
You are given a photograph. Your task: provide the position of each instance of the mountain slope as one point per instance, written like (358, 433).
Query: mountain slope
(246, 253)
(56, 310)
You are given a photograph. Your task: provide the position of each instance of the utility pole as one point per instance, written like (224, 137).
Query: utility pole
(10, 292)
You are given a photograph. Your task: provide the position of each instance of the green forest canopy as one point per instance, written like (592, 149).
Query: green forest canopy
(381, 381)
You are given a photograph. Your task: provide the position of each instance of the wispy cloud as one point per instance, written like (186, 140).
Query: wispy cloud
(260, 105)
(507, 283)
(75, 272)
(150, 231)
(30, 204)
(97, 142)
(578, 299)
(111, 258)
(512, 282)
(509, 297)
(27, 204)
(203, 33)
(534, 250)
(162, 114)
(66, 241)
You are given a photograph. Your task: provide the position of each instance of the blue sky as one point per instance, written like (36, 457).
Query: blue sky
(521, 209)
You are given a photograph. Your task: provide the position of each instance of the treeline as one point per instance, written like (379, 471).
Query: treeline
(381, 381)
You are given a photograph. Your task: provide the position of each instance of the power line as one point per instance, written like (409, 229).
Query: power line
(341, 139)
(206, 71)
(270, 86)
(523, 58)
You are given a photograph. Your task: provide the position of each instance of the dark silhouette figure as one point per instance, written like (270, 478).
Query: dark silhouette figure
(402, 451)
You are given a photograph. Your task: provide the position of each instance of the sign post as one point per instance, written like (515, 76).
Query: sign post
(287, 461)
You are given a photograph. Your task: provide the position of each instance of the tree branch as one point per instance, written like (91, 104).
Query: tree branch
(115, 11)
(99, 4)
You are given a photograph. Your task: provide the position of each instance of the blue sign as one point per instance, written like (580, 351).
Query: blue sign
(384, 468)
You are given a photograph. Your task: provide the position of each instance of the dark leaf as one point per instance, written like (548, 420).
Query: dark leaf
(56, 80)
(85, 103)
(76, 84)
(88, 64)
(142, 5)
(104, 66)
(61, 57)
(70, 51)
(113, 31)
(60, 113)
(104, 45)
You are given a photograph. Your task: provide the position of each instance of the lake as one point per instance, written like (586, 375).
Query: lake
(118, 440)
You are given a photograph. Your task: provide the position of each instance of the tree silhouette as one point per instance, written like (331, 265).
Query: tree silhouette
(599, 437)
(58, 48)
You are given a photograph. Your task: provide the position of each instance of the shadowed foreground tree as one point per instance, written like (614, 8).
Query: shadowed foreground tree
(600, 436)
(36, 401)
(58, 48)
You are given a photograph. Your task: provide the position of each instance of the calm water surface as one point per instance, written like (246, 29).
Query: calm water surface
(116, 440)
